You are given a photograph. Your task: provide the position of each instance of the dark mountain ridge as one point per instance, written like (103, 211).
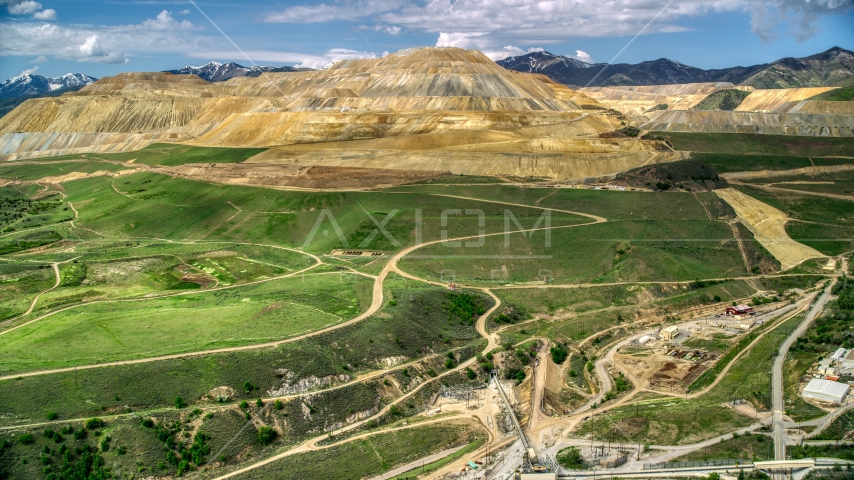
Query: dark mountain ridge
(833, 67)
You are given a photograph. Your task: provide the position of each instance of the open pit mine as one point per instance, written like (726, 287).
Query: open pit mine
(418, 110)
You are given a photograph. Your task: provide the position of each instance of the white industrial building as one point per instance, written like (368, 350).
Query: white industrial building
(825, 390)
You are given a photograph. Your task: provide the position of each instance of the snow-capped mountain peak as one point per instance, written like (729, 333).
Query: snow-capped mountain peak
(29, 84)
(218, 72)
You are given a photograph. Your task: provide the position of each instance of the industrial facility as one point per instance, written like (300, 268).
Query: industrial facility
(825, 390)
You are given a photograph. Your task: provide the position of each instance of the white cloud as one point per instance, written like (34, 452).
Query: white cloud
(492, 24)
(39, 59)
(340, 10)
(467, 40)
(480, 41)
(24, 8)
(102, 44)
(184, 12)
(583, 56)
(30, 71)
(47, 14)
(389, 29)
(301, 60)
(335, 55)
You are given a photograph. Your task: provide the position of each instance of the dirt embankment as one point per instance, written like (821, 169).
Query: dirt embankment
(313, 177)
(768, 226)
(786, 173)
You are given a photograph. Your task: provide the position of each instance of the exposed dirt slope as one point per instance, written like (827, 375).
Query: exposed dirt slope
(767, 225)
(314, 177)
(806, 124)
(766, 101)
(640, 100)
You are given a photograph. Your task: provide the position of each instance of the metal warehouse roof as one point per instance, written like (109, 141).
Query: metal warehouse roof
(826, 387)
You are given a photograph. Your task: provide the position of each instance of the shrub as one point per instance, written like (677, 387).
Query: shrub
(26, 439)
(570, 457)
(559, 353)
(244, 405)
(278, 405)
(179, 403)
(52, 415)
(266, 435)
(94, 423)
(470, 374)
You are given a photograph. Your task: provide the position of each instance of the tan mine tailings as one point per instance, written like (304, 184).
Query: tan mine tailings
(436, 109)
(767, 101)
(640, 100)
(806, 124)
(768, 227)
(777, 112)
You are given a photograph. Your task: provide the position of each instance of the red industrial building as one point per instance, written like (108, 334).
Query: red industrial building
(739, 310)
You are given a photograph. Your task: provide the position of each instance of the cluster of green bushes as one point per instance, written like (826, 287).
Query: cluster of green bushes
(834, 329)
(509, 315)
(181, 456)
(559, 353)
(570, 458)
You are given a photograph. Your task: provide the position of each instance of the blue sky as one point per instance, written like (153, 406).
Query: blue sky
(100, 38)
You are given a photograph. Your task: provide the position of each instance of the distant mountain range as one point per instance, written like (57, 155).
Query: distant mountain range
(29, 85)
(219, 72)
(830, 68)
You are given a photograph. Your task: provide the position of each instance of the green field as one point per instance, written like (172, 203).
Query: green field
(822, 223)
(54, 168)
(19, 284)
(111, 331)
(170, 154)
(613, 205)
(417, 326)
(627, 251)
(155, 206)
(758, 144)
(727, 163)
(835, 183)
(551, 300)
(166, 268)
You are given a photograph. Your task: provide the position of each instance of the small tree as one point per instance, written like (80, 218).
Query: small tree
(94, 423)
(278, 405)
(470, 374)
(714, 476)
(266, 435)
(179, 403)
(259, 403)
